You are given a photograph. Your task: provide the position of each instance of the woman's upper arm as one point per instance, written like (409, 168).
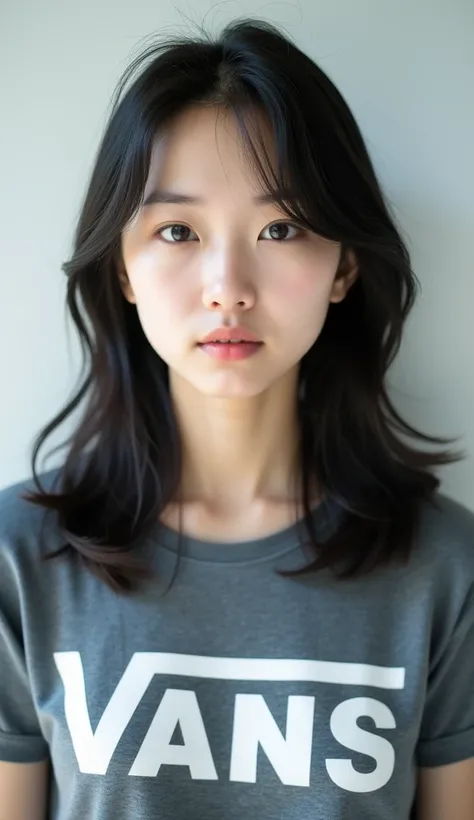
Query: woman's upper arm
(24, 790)
(446, 792)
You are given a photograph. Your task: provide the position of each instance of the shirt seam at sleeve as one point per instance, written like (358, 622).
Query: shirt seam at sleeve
(445, 750)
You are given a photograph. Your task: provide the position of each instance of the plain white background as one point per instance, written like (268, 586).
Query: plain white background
(407, 71)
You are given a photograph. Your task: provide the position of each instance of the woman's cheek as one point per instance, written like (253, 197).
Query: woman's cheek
(164, 302)
(306, 288)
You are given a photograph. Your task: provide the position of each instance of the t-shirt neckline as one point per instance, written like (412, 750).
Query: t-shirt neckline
(325, 516)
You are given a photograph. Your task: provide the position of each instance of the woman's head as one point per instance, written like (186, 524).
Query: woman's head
(244, 115)
(228, 257)
(228, 120)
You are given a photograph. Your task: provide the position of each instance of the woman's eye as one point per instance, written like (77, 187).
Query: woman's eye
(282, 231)
(176, 233)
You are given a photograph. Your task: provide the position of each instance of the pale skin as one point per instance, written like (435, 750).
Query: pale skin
(237, 420)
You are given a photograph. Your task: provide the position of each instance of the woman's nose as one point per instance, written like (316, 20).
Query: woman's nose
(228, 283)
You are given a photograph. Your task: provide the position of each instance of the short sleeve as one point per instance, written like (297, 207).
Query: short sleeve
(21, 739)
(447, 728)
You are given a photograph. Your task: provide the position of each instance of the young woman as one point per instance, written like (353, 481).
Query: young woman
(242, 594)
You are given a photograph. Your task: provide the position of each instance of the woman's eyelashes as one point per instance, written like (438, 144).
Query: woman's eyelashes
(178, 233)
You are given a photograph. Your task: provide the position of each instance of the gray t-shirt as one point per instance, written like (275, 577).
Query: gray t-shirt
(239, 694)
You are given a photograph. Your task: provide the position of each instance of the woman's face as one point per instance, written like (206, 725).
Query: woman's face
(223, 264)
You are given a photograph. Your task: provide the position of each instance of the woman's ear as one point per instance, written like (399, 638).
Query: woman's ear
(125, 285)
(346, 276)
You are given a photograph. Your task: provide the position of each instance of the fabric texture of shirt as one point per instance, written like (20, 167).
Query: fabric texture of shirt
(239, 693)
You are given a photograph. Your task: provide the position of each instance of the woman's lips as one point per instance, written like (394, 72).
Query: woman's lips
(230, 351)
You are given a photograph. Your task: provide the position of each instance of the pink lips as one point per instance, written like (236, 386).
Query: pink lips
(231, 351)
(225, 334)
(218, 343)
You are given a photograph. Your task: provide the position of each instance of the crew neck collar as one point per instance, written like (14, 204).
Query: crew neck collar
(325, 516)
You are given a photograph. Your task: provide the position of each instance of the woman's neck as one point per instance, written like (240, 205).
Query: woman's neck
(238, 452)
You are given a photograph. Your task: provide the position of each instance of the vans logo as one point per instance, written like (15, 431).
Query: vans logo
(253, 723)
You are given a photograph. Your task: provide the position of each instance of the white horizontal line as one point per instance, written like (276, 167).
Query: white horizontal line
(270, 669)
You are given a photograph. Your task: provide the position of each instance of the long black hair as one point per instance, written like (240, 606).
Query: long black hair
(123, 463)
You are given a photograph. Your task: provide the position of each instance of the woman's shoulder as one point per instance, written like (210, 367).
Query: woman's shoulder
(21, 521)
(445, 544)
(447, 525)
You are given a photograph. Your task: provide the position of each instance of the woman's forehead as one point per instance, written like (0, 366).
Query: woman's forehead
(204, 147)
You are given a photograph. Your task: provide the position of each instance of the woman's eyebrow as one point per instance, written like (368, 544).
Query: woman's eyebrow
(158, 196)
